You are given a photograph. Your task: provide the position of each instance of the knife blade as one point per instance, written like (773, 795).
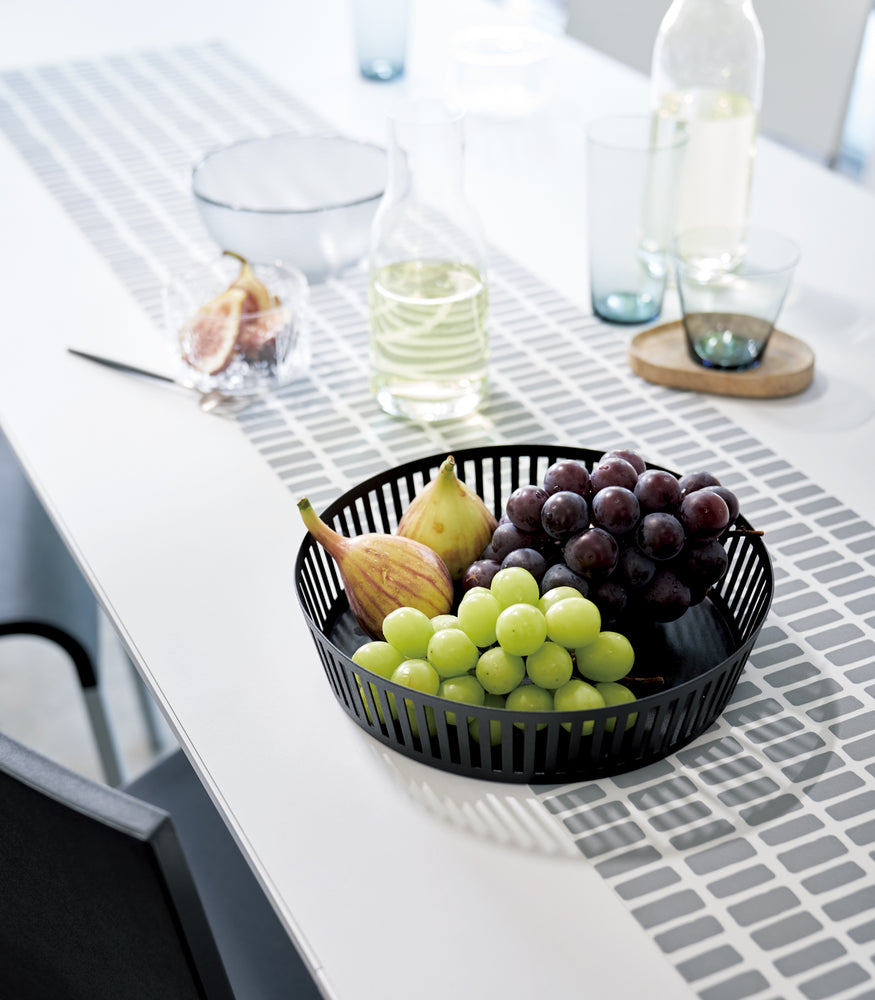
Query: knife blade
(121, 366)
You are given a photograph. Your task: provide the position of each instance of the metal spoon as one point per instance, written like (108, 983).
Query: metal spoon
(210, 402)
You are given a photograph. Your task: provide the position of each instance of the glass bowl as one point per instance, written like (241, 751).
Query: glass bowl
(223, 339)
(305, 201)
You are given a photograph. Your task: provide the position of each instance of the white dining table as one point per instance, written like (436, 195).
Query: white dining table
(399, 880)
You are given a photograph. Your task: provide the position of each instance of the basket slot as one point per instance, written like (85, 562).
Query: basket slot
(399, 505)
(497, 493)
(463, 737)
(323, 577)
(402, 722)
(442, 728)
(758, 596)
(551, 750)
(336, 675)
(698, 713)
(311, 596)
(529, 729)
(341, 521)
(385, 524)
(366, 702)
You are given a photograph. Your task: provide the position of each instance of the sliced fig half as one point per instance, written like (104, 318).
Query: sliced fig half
(257, 338)
(208, 339)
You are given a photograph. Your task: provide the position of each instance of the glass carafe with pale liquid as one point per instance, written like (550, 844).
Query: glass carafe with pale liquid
(708, 72)
(427, 296)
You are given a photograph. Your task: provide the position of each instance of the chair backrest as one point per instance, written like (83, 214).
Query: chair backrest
(96, 897)
(812, 48)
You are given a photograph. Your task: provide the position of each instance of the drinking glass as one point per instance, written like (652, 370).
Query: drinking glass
(731, 299)
(633, 169)
(380, 30)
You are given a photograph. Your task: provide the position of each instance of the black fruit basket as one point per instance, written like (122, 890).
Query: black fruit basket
(698, 658)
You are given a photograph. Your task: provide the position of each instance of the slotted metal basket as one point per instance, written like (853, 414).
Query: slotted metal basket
(699, 657)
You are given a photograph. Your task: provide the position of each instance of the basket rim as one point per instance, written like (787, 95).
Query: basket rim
(347, 500)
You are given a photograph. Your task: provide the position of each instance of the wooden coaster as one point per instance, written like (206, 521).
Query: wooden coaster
(659, 355)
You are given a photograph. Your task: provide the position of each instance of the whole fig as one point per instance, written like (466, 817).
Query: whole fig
(382, 572)
(450, 518)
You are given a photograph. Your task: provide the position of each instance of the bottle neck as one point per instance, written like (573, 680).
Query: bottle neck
(709, 45)
(426, 153)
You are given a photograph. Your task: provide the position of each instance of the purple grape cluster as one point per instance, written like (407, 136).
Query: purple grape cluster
(641, 543)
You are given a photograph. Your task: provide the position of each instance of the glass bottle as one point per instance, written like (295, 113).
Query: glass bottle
(428, 300)
(708, 72)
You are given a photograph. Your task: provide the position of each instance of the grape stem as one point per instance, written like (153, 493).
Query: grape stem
(736, 532)
(644, 680)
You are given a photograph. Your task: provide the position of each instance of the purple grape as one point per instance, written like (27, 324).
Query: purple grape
(635, 569)
(529, 559)
(480, 573)
(730, 498)
(524, 507)
(613, 472)
(657, 490)
(703, 563)
(611, 599)
(660, 536)
(508, 537)
(666, 597)
(693, 481)
(704, 514)
(698, 593)
(593, 553)
(564, 514)
(566, 474)
(632, 457)
(559, 575)
(615, 509)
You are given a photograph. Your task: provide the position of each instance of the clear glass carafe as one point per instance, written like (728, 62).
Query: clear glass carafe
(428, 298)
(708, 72)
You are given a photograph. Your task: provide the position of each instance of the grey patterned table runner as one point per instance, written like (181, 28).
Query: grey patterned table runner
(747, 856)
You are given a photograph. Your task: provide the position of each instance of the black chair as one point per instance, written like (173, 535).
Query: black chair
(44, 594)
(139, 894)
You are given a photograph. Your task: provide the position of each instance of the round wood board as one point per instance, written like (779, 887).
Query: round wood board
(659, 355)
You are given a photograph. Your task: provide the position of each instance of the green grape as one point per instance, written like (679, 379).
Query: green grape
(556, 594)
(445, 621)
(408, 630)
(616, 694)
(573, 622)
(379, 657)
(574, 696)
(465, 689)
(419, 675)
(515, 585)
(607, 658)
(489, 701)
(499, 671)
(451, 652)
(520, 629)
(530, 698)
(550, 666)
(478, 613)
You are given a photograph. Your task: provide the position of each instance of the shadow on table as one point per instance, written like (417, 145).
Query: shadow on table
(507, 814)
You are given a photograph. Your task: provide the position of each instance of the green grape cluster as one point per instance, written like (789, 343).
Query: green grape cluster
(507, 646)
